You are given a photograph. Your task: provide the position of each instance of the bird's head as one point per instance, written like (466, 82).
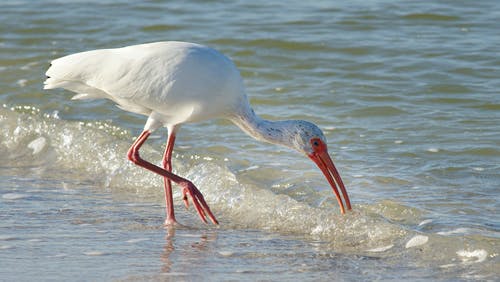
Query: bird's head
(309, 139)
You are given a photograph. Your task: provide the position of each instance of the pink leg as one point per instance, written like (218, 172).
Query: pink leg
(167, 165)
(188, 187)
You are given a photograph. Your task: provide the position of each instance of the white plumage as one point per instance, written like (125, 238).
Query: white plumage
(178, 82)
(196, 81)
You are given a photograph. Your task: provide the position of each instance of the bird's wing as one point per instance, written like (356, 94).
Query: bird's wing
(101, 73)
(167, 77)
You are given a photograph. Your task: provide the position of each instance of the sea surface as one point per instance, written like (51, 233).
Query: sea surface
(406, 92)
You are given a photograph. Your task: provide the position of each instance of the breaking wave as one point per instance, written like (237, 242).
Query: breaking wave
(96, 151)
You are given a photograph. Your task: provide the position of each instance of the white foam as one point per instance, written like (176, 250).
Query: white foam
(67, 140)
(226, 253)
(92, 151)
(381, 249)
(466, 256)
(137, 240)
(249, 168)
(60, 255)
(317, 230)
(37, 145)
(14, 196)
(29, 65)
(433, 150)
(454, 231)
(22, 82)
(17, 131)
(94, 253)
(447, 265)
(417, 240)
(424, 222)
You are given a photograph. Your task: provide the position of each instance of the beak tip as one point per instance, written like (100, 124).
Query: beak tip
(326, 165)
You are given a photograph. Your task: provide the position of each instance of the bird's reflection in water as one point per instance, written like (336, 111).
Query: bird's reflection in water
(183, 246)
(168, 249)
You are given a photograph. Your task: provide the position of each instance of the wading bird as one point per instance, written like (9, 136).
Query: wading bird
(175, 83)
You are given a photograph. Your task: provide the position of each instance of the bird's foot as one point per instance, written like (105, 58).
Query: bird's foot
(199, 203)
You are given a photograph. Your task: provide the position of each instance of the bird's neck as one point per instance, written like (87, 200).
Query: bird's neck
(276, 132)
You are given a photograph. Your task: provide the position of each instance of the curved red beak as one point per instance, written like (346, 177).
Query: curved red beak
(322, 159)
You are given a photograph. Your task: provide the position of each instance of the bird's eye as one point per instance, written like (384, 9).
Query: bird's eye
(315, 143)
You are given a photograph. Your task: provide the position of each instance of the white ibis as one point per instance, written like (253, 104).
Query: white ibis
(178, 82)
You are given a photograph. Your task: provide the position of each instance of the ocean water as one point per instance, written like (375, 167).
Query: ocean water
(406, 93)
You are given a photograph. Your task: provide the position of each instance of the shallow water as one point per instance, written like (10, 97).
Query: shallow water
(406, 94)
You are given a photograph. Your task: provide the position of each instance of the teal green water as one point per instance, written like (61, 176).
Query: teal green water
(406, 93)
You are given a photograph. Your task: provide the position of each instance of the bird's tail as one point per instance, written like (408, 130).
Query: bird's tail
(52, 82)
(65, 73)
